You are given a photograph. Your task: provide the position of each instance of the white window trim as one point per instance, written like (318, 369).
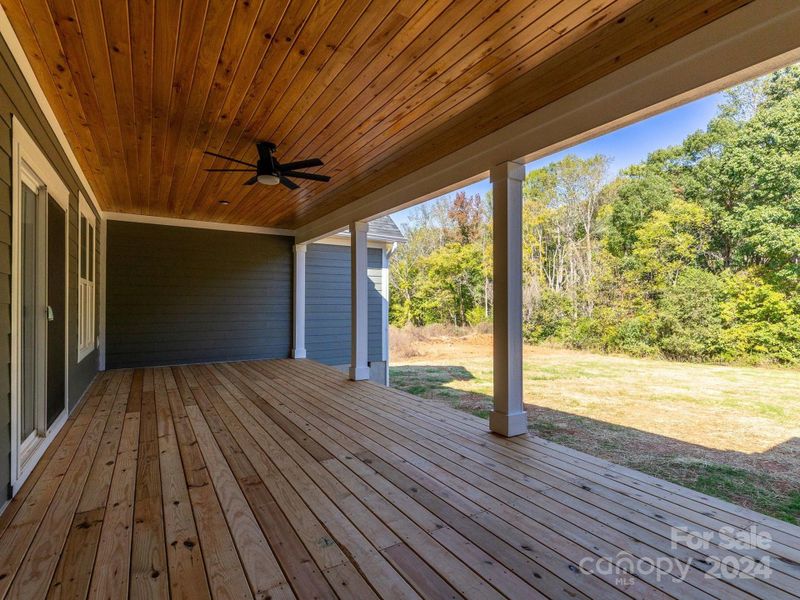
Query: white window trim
(87, 289)
(30, 163)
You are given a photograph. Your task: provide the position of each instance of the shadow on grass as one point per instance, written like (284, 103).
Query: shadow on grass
(768, 482)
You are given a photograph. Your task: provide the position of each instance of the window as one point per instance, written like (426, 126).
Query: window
(87, 231)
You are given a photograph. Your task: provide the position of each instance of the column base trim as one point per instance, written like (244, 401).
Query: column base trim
(299, 353)
(359, 373)
(509, 425)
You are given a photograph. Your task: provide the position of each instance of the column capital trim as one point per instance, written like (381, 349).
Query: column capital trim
(300, 248)
(507, 170)
(359, 226)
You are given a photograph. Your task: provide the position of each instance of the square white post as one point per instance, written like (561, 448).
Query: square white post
(385, 253)
(299, 337)
(508, 417)
(359, 367)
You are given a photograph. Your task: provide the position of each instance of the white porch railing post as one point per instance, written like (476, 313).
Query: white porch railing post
(508, 417)
(359, 367)
(299, 348)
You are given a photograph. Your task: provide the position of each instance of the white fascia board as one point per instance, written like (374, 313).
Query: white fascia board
(10, 37)
(342, 241)
(172, 222)
(755, 39)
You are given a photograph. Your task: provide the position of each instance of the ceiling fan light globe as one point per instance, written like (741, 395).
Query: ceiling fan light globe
(268, 179)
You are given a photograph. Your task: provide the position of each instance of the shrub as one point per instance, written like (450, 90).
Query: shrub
(477, 315)
(690, 319)
(585, 333)
(760, 321)
(635, 336)
(550, 318)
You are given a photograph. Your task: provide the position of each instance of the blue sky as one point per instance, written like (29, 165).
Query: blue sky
(628, 145)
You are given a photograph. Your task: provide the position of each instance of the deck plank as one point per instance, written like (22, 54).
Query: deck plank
(258, 560)
(87, 404)
(655, 513)
(254, 474)
(283, 479)
(36, 572)
(330, 503)
(457, 455)
(76, 563)
(110, 577)
(546, 578)
(149, 574)
(224, 570)
(187, 575)
(23, 529)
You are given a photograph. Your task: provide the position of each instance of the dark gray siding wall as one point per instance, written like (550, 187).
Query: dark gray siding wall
(182, 295)
(328, 304)
(17, 99)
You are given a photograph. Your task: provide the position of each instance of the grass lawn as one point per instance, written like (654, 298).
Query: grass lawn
(733, 432)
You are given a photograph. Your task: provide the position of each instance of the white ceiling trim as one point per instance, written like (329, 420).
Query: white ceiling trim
(173, 222)
(753, 40)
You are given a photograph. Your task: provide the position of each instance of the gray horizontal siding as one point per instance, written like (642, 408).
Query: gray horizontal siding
(180, 295)
(328, 304)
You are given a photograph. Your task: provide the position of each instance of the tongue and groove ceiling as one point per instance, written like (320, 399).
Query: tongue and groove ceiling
(376, 89)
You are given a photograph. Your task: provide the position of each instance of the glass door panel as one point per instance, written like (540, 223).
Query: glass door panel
(28, 279)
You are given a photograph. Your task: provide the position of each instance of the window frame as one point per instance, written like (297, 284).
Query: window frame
(87, 279)
(32, 168)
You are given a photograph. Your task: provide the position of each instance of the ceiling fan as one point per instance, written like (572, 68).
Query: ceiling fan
(269, 171)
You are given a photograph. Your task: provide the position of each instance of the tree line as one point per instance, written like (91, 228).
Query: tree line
(692, 254)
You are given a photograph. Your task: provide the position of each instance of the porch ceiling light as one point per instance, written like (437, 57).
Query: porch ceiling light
(268, 179)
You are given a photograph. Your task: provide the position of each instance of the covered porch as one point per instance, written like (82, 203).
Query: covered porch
(282, 478)
(216, 458)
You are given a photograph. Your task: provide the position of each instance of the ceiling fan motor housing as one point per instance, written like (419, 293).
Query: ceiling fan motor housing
(265, 164)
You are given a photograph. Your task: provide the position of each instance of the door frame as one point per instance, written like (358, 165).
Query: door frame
(30, 163)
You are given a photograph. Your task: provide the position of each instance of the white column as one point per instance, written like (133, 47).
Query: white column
(299, 348)
(508, 417)
(385, 254)
(359, 277)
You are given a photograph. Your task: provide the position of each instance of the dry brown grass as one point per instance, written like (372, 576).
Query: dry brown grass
(407, 342)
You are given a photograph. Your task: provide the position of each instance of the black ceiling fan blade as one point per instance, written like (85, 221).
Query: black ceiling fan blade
(289, 184)
(229, 170)
(252, 180)
(300, 164)
(236, 160)
(311, 176)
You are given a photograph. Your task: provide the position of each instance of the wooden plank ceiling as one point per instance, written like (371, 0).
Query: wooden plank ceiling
(376, 89)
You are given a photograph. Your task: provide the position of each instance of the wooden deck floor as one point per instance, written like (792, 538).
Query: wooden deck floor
(282, 479)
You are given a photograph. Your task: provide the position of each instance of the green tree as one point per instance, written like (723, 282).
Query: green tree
(668, 242)
(450, 291)
(641, 190)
